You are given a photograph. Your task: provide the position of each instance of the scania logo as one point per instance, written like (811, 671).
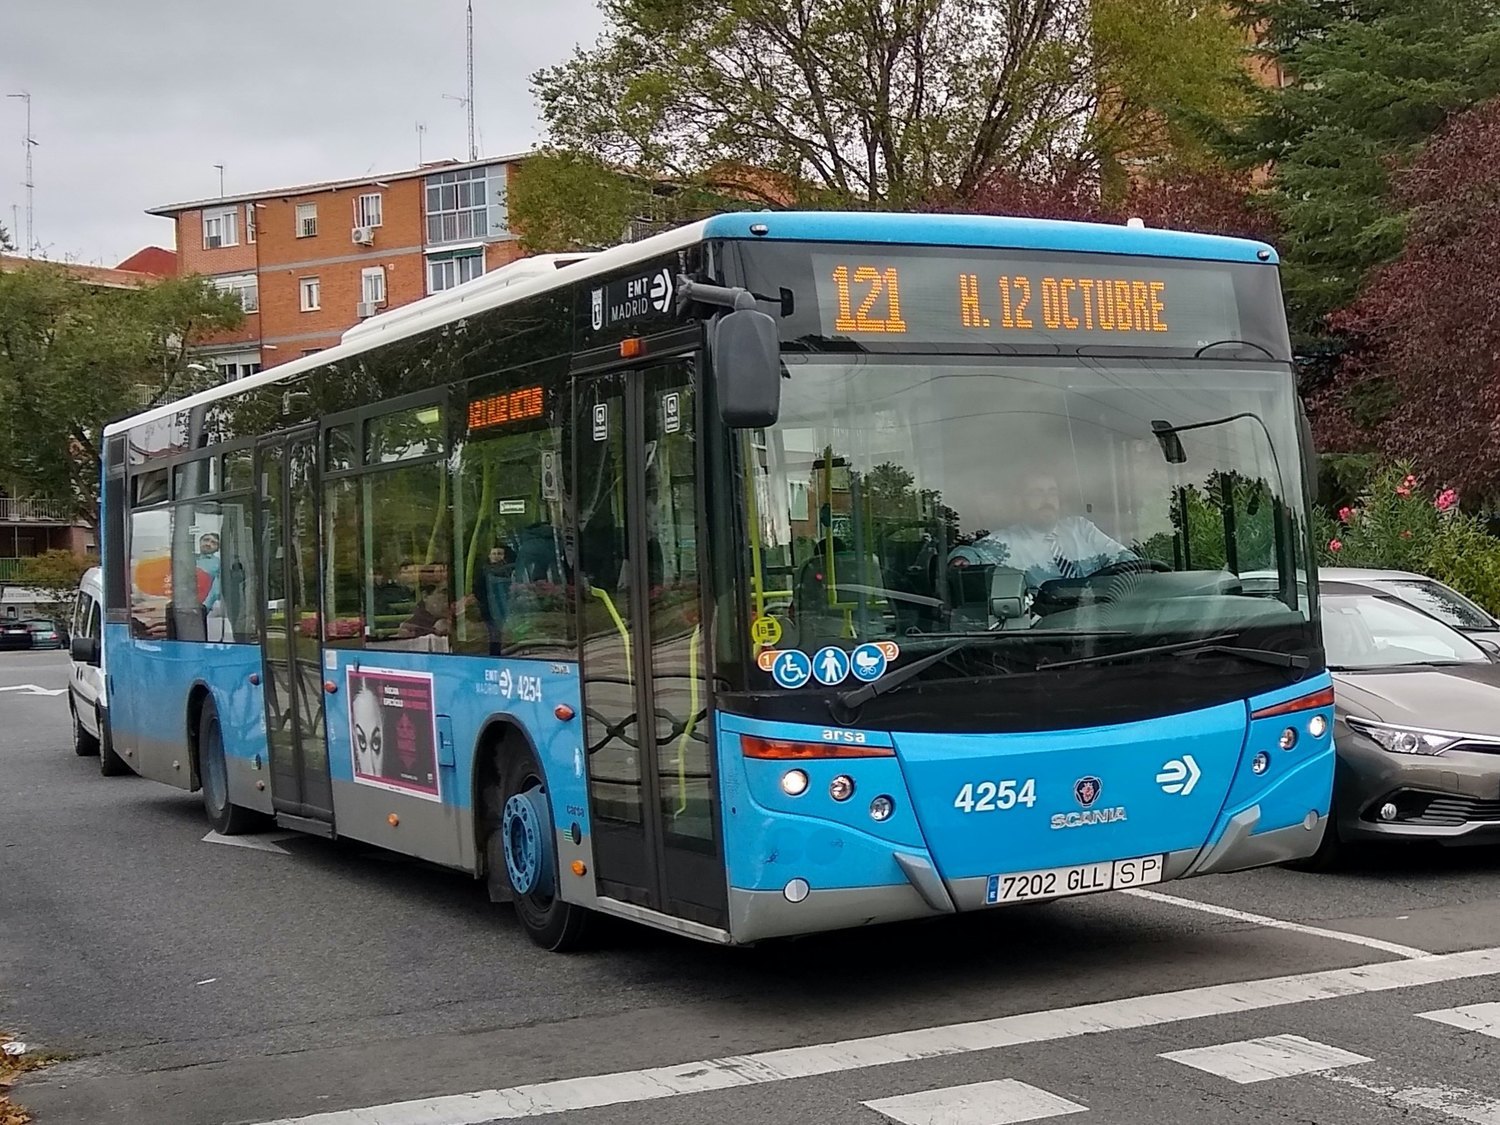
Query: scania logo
(1086, 789)
(1088, 817)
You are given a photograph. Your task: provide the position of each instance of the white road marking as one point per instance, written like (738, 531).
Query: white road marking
(32, 689)
(1279, 924)
(266, 842)
(706, 1075)
(1006, 1102)
(1256, 1060)
(1453, 1101)
(1483, 1018)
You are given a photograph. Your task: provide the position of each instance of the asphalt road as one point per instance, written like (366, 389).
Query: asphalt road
(191, 983)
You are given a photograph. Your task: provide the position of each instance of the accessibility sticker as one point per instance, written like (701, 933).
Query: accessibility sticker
(831, 666)
(792, 668)
(869, 663)
(765, 630)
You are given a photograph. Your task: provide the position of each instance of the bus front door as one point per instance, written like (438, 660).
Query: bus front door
(652, 784)
(291, 641)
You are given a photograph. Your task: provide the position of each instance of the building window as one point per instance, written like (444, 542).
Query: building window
(219, 229)
(372, 285)
(249, 222)
(368, 211)
(307, 220)
(240, 366)
(446, 272)
(311, 294)
(245, 286)
(466, 205)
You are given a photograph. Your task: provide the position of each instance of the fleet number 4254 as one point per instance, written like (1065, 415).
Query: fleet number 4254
(992, 796)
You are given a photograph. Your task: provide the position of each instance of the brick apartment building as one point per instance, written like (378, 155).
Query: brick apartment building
(310, 262)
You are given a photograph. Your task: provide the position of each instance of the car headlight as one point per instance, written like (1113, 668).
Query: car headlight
(1405, 740)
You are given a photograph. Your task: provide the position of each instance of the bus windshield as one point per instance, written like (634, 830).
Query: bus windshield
(1067, 506)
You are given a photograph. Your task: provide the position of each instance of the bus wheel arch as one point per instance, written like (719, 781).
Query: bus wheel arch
(199, 695)
(517, 837)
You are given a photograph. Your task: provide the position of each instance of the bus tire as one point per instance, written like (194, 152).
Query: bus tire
(110, 763)
(85, 745)
(227, 819)
(526, 857)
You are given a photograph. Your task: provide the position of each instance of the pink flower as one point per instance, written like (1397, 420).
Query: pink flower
(1406, 535)
(1344, 514)
(1404, 490)
(1446, 499)
(1335, 545)
(1410, 481)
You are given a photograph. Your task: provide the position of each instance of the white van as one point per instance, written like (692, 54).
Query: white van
(86, 696)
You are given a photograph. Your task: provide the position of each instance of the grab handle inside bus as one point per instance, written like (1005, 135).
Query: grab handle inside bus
(746, 355)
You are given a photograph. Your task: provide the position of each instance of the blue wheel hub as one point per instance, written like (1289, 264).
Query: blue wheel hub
(526, 828)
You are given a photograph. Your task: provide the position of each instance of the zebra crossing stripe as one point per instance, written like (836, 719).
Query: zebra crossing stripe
(1005, 1102)
(1257, 1060)
(1483, 1018)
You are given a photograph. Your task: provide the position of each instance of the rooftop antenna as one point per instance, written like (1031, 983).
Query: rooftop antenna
(468, 101)
(421, 128)
(220, 167)
(29, 143)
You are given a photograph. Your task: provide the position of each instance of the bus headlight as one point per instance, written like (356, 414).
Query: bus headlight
(1317, 726)
(881, 808)
(841, 788)
(794, 783)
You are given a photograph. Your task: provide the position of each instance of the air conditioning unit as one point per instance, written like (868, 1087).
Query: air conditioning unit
(365, 236)
(368, 308)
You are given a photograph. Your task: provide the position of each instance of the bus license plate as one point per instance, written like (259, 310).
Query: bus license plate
(1086, 878)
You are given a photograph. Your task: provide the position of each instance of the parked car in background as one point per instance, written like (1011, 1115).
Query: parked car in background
(14, 635)
(1443, 602)
(86, 696)
(1416, 724)
(44, 633)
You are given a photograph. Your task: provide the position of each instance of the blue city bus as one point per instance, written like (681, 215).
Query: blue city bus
(778, 574)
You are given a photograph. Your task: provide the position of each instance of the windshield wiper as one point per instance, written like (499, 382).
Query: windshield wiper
(857, 697)
(1216, 645)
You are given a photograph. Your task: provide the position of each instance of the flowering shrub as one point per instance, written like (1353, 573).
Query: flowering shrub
(1398, 525)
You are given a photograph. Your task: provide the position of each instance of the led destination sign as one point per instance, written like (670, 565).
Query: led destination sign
(1010, 299)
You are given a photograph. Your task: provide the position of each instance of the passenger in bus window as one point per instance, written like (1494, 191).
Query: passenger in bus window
(430, 617)
(491, 591)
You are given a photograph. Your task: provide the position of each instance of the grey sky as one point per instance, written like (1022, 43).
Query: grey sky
(135, 101)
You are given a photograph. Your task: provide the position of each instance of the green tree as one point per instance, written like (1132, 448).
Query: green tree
(883, 103)
(1369, 82)
(5, 240)
(55, 573)
(74, 357)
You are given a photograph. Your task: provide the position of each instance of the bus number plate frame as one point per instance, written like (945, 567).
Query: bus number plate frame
(1080, 879)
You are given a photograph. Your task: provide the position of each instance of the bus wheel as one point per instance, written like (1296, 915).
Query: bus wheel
(110, 763)
(529, 845)
(227, 819)
(85, 745)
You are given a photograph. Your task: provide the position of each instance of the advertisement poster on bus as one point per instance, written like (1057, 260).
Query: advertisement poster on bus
(393, 731)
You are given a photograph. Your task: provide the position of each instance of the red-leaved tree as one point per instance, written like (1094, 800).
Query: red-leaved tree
(1423, 378)
(1209, 201)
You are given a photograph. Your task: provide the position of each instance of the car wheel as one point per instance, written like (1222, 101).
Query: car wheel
(110, 763)
(227, 819)
(529, 851)
(85, 745)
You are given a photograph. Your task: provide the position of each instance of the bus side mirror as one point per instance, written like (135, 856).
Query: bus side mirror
(84, 650)
(746, 352)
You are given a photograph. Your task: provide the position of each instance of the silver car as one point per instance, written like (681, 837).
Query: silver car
(1417, 723)
(1443, 602)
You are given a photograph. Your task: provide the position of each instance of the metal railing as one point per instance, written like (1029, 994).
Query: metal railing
(24, 510)
(9, 568)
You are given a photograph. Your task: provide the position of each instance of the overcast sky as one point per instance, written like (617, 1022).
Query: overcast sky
(133, 102)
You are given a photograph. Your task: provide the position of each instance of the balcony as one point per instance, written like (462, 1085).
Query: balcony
(23, 510)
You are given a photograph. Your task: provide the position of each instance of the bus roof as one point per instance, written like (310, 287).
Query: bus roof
(501, 287)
